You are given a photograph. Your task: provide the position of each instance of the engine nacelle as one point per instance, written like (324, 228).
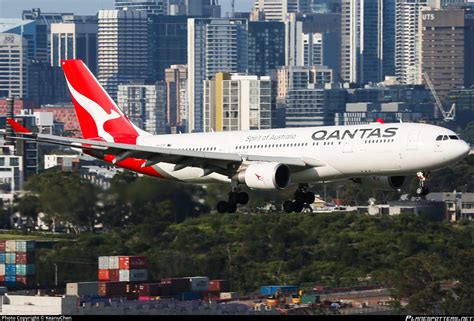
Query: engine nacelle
(383, 183)
(265, 176)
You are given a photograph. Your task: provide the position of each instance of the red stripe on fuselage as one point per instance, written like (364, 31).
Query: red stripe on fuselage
(135, 165)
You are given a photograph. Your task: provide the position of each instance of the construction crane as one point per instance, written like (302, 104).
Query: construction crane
(233, 9)
(447, 115)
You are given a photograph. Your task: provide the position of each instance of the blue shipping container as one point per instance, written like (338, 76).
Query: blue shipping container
(188, 296)
(10, 278)
(2, 258)
(272, 289)
(10, 283)
(10, 270)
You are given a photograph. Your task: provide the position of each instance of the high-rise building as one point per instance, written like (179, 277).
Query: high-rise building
(293, 41)
(266, 47)
(13, 65)
(168, 40)
(312, 49)
(145, 105)
(299, 77)
(367, 40)
(46, 84)
(75, 38)
(203, 8)
(329, 26)
(123, 48)
(277, 10)
(408, 40)
(24, 28)
(43, 21)
(176, 78)
(157, 7)
(238, 102)
(313, 106)
(214, 45)
(448, 48)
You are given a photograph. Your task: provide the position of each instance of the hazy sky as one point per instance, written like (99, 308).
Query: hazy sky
(13, 8)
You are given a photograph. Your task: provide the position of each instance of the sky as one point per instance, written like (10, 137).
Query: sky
(13, 8)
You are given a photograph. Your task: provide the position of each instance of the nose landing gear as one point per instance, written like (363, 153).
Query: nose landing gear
(303, 198)
(423, 188)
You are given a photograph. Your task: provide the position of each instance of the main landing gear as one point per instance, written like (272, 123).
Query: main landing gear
(422, 189)
(235, 197)
(303, 198)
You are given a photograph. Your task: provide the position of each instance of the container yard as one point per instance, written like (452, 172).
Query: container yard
(123, 287)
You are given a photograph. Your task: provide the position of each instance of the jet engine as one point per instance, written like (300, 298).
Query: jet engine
(382, 183)
(265, 176)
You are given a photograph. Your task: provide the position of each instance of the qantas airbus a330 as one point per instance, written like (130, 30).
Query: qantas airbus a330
(379, 154)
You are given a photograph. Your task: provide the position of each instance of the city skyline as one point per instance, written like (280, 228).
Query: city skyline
(13, 9)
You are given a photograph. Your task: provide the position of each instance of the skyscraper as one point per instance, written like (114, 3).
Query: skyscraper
(76, 38)
(312, 49)
(43, 21)
(266, 47)
(13, 65)
(176, 78)
(214, 45)
(368, 40)
(408, 40)
(168, 41)
(123, 49)
(448, 48)
(145, 105)
(238, 102)
(293, 41)
(24, 28)
(203, 8)
(277, 10)
(158, 7)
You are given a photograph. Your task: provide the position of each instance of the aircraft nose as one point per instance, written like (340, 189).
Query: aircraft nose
(465, 149)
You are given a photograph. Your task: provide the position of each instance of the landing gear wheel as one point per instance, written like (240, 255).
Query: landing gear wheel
(309, 198)
(422, 191)
(297, 206)
(243, 198)
(222, 207)
(300, 196)
(231, 207)
(288, 206)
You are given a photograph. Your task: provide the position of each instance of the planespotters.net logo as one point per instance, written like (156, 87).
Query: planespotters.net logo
(440, 318)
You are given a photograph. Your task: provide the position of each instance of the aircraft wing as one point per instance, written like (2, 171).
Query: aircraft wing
(154, 154)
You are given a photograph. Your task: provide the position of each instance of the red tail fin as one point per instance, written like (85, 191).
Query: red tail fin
(99, 117)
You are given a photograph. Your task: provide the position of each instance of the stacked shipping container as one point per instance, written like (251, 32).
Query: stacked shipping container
(17, 263)
(123, 268)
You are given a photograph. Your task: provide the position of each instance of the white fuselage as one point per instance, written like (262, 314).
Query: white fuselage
(392, 149)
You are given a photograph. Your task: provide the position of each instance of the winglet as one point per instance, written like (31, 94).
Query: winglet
(18, 128)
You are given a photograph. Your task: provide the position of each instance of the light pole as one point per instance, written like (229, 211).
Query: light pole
(55, 274)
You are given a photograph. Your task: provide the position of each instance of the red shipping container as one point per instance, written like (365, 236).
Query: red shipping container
(104, 275)
(219, 286)
(26, 281)
(2, 245)
(112, 288)
(114, 275)
(25, 258)
(2, 280)
(133, 262)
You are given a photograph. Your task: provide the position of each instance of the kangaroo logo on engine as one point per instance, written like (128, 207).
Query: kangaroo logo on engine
(356, 133)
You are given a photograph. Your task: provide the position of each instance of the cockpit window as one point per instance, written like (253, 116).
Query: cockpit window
(454, 137)
(440, 137)
(445, 137)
